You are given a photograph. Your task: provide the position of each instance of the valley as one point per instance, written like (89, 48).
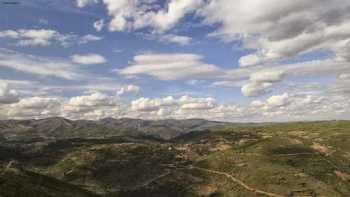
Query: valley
(173, 158)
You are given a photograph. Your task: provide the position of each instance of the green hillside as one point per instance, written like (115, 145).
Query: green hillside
(284, 159)
(16, 182)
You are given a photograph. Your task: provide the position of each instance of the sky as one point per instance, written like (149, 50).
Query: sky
(225, 60)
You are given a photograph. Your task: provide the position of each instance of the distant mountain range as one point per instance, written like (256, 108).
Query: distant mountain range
(61, 128)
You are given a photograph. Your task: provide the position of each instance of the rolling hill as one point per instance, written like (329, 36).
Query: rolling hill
(245, 160)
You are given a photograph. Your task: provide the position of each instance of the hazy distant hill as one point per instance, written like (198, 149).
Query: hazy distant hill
(64, 128)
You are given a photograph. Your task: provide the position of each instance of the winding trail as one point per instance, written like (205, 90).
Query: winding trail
(8, 167)
(292, 154)
(154, 179)
(241, 183)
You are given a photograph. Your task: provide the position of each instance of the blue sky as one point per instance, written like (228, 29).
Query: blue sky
(217, 59)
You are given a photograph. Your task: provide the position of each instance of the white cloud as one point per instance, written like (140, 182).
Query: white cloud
(248, 60)
(31, 37)
(16, 82)
(255, 89)
(93, 106)
(33, 107)
(278, 100)
(170, 104)
(39, 65)
(84, 3)
(183, 102)
(89, 38)
(95, 99)
(165, 19)
(185, 107)
(267, 76)
(229, 84)
(171, 107)
(171, 38)
(88, 59)
(146, 104)
(98, 25)
(167, 38)
(43, 21)
(36, 103)
(258, 80)
(21, 88)
(340, 87)
(7, 95)
(170, 66)
(96, 105)
(300, 106)
(128, 89)
(135, 14)
(45, 37)
(190, 103)
(288, 29)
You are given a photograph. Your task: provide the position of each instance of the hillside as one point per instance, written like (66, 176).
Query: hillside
(16, 182)
(282, 159)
